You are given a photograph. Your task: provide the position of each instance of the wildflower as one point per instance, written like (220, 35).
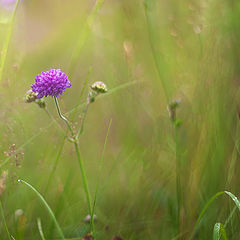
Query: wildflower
(99, 87)
(51, 83)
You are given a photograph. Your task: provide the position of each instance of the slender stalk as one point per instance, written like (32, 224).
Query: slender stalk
(63, 117)
(85, 183)
(158, 58)
(178, 181)
(46, 205)
(99, 173)
(81, 93)
(85, 29)
(4, 221)
(80, 131)
(6, 42)
(40, 229)
(55, 164)
(80, 162)
(54, 121)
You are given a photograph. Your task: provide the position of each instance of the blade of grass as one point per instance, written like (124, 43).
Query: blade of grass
(55, 164)
(111, 91)
(219, 231)
(7, 40)
(46, 205)
(83, 35)
(99, 172)
(40, 229)
(4, 220)
(160, 64)
(82, 92)
(211, 200)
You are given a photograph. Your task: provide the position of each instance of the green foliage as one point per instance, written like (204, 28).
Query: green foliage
(163, 160)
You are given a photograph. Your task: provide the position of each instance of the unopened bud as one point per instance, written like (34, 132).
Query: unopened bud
(30, 96)
(172, 107)
(91, 97)
(40, 102)
(99, 87)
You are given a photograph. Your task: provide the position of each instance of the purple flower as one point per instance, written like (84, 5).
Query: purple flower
(51, 83)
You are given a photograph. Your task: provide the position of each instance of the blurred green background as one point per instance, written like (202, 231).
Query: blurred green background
(149, 53)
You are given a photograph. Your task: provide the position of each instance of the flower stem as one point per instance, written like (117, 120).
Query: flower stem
(63, 117)
(80, 162)
(85, 184)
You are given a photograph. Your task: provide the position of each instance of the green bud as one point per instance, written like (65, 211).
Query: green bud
(40, 102)
(91, 97)
(99, 87)
(30, 96)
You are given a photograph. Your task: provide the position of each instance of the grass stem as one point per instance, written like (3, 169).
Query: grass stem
(46, 205)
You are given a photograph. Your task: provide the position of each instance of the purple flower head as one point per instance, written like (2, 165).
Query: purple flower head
(51, 83)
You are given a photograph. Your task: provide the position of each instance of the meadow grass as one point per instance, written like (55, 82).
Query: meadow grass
(150, 178)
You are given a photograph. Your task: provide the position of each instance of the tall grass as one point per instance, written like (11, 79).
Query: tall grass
(149, 53)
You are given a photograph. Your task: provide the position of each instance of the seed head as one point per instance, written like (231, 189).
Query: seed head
(51, 83)
(99, 87)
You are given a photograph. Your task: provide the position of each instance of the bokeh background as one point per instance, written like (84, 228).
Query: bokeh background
(149, 53)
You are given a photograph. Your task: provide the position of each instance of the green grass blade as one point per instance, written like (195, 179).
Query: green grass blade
(6, 42)
(46, 205)
(211, 200)
(219, 231)
(84, 34)
(4, 221)
(234, 198)
(100, 170)
(40, 229)
(158, 57)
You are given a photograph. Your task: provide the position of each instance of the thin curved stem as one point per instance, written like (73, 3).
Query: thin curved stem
(46, 205)
(62, 116)
(85, 183)
(4, 221)
(40, 229)
(80, 162)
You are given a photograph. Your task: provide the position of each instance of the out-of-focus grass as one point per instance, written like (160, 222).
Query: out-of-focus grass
(157, 51)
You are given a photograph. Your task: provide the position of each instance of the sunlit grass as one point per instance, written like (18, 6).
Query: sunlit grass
(149, 179)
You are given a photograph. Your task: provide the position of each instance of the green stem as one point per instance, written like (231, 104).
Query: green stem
(80, 131)
(99, 173)
(55, 122)
(6, 42)
(55, 165)
(40, 229)
(82, 169)
(63, 117)
(85, 184)
(46, 205)
(4, 220)
(178, 181)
